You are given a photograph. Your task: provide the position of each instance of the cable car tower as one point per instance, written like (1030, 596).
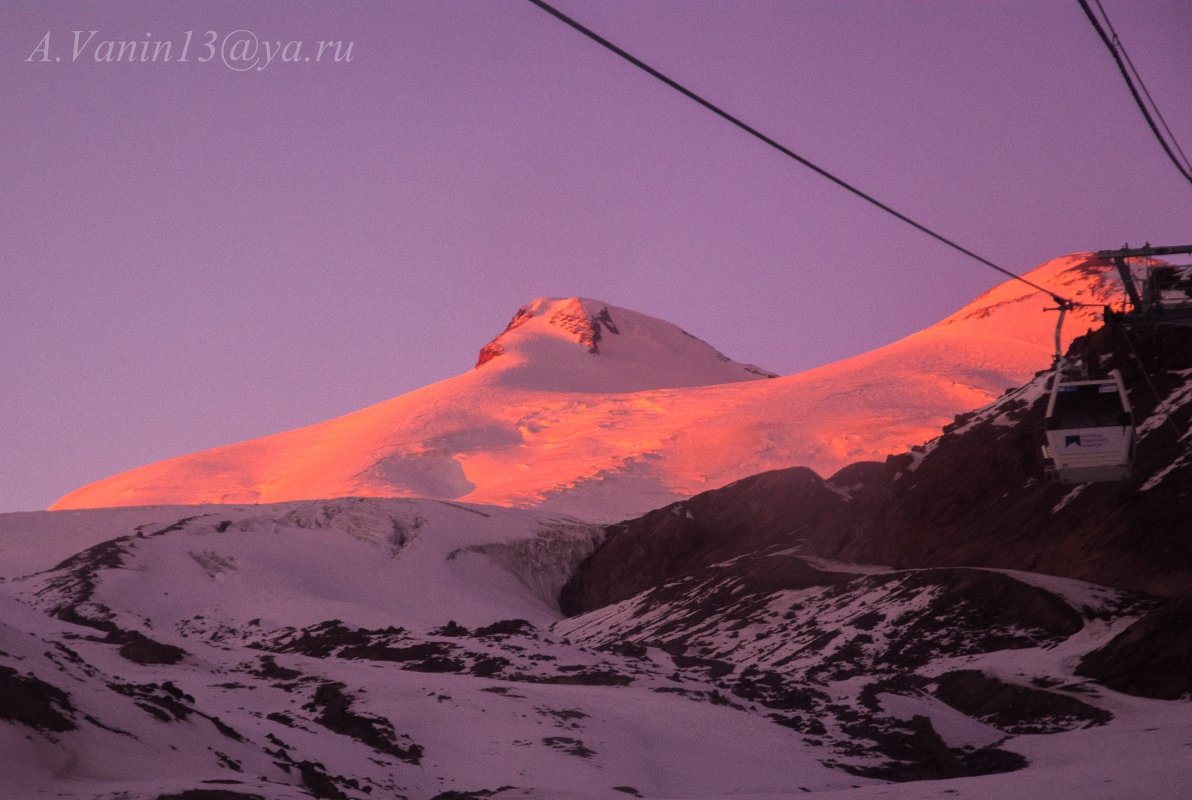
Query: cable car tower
(1089, 422)
(1162, 296)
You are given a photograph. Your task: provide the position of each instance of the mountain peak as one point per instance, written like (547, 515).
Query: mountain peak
(550, 344)
(578, 316)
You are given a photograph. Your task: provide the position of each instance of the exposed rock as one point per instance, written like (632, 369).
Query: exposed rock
(166, 702)
(918, 753)
(506, 627)
(271, 670)
(140, 649)
(335, 714)
(569, 745)
(321, 785)
(581, 677)
(28, 700)
(772, 509)
(209, 794)
(1015, 709)
(1151, 658)
(476, 794)
(979, 611)
(494, 348)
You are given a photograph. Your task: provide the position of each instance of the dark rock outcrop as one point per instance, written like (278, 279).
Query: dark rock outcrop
(917, 753)
(773, 508)
(28, 700)
(1015, 709)
(334, 709)
(209, 794)
(1151, 658)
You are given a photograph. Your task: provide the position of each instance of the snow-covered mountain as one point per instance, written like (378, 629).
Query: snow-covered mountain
(598, 411)
(919, 618)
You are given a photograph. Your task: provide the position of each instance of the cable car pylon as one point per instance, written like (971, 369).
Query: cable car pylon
(1163, 296)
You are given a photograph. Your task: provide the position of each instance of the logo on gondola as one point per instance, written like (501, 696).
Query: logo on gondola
(1071, 441)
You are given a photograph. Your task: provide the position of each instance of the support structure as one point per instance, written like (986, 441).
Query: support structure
(1148, 303)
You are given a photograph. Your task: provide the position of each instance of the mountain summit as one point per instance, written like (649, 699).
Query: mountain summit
(581, 345)
(588, 409)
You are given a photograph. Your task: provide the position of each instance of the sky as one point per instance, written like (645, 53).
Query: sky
(195, 252)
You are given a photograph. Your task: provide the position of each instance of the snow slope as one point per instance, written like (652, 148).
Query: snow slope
(879, 662)
(366, 648)
(346, 649)
(601, 412)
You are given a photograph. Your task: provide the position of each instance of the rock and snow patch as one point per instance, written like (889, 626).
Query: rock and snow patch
(583, 345)
(895, 671)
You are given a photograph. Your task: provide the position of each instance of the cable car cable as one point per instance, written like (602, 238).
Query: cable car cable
(1133, 90)
(720, 112)
(1121, 47)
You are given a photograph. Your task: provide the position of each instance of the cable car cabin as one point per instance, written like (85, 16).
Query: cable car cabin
(1090, 430)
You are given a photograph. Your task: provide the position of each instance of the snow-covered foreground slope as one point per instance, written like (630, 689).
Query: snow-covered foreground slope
(602, 412)
(412, 648)
(914, 675)
(341, 649)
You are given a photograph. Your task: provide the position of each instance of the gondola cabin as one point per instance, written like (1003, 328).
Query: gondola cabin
(1090, 429)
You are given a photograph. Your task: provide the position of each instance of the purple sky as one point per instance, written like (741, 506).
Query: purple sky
(193, 255)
